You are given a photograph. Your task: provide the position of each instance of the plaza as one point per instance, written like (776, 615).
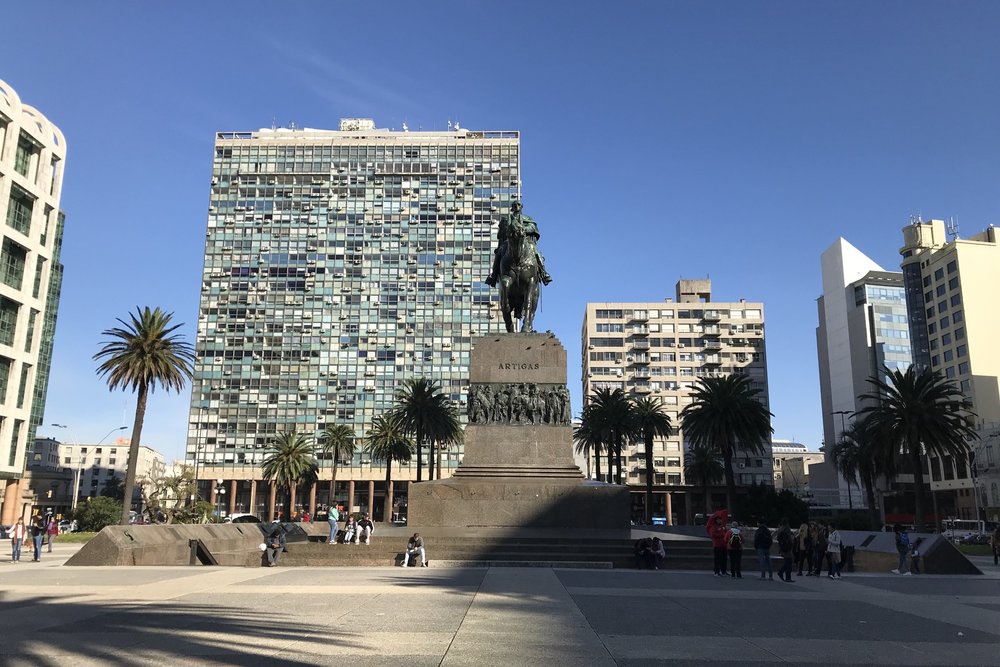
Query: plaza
(498, 616)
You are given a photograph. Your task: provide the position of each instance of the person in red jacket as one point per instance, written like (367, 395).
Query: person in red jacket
(719, 532)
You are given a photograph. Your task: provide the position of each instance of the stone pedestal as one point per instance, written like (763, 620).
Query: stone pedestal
(518, 468)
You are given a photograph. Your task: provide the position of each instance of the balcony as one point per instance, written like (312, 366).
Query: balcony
(641, 388)
(713, 344)
(638, 360)
(639, 344)
(640, 331)
(713, 360)
(712, 315)
(638, 316)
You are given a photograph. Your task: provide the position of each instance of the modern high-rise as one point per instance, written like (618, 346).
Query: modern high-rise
(660, 349)
(863, 328)
(32, 155)
(339, 263)
(951, 284)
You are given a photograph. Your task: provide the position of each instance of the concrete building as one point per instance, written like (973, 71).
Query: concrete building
(94, 465)
(661, 349)
(792, 462)
(863, 327)
(951, 290)
(32, 155)
(337, 264)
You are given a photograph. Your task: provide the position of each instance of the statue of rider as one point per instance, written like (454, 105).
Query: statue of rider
(498, 254)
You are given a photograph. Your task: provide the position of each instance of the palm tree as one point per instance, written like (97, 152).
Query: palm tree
(609, 417)
(426, 413)
(337, 442)
(702, 463)
(288, 461)
(725, 415)
(388, 441)
(451, 434)
(585, 440)
(857, 455)
(650, 421)
(917, 413)
(142, 354)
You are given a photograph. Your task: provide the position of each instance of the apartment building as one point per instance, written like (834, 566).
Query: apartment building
(661, 349)
(337, 264)
(32, 155)
(95, 465)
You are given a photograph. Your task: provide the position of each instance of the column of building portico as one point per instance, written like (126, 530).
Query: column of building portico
(211, 493)
(11, 502)
(272, 497)
(312, 499)
(253, 497)
(350, 497)
(371, 497)
(670, 509)
(232, 496)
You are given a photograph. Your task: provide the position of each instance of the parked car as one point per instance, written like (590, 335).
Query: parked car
(241, 518)
(974, 538)
(67, 526)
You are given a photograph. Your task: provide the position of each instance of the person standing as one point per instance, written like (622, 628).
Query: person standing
(833, 545)
(903, 549)
(17, 534)
(333, 516)
(37, 536)
(735, 545)
(818, 534)
(762, 542)
(786, 546)
(717, 531)
(803, 548)
(51, 530)
(995, 545)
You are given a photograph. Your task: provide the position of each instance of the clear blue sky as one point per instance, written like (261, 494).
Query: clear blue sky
(660, 140)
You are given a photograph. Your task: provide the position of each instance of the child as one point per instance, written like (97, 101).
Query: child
(915, 556)
(735, 544)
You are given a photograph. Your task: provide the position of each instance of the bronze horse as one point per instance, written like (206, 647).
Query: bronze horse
(519, 276)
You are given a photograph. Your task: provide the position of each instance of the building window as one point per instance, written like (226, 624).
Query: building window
(673, 479)
(8, 320)
(961, 351)
(12, 258)
(960, 333)
(953, 283)
(22, 158)
(36, 289)
(946, 339)
(22, 388)
(935, 360)
(15, 439)
(952, 267)
(939, 274)
(943, 323)
(956, 317)
(956, 299)
(966, 386)
(949, 372)
(963, 368)
(4, 377)
(940, 290)
(673, 462)
(19, 210)
(29, 337)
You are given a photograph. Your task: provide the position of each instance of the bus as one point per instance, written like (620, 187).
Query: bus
(956, 529)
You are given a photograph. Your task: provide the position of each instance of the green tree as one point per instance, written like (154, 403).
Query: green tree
(586, 440)
(289, 461)
(167, 494)
(917, 413)
(428, 414)
(114, 487)
(96, 513)
(858, 456)
(337, 442)
(608, 416)
(703, 464)
(388, 441)
(650, 421)
(141, 354)
(726, 415)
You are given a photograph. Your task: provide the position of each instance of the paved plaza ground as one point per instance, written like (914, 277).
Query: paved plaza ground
(54, 615)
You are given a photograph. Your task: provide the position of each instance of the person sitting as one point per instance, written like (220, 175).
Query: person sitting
(659, 553)
(365, 529)
(350, 530)
(415, 546)
(643, 553)
(275, 544)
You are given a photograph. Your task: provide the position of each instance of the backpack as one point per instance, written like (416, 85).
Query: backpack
(785, 540)
(735, 540)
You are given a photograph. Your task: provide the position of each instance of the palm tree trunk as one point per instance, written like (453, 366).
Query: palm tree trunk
(648, 438)
(918, 489)
(333, 482)
(420, 455)
(727, 458)
(133, 451)
(438, 457)
(872, 509)
(387, 505)
(597, 461)
(618, 462)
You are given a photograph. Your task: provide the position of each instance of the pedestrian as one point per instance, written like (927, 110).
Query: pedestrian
(365, 529)
(734, 542)
(818, 534)
(915, 556)
(333, 516)
(995, 545)
(37, 536)
(786, 545)
(51, 530)
(306, 518)
(762, 542)
(275, 544)
(414, 546)
(833, 546)
(902, 549)
(717, 531)
(643, 551)
(803, 548)
(17, 534)
(350, 530)
(659, 553)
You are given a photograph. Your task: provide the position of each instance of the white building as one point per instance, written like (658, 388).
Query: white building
(94, 465)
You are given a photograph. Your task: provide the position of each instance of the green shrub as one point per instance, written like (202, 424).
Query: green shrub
(96, 513)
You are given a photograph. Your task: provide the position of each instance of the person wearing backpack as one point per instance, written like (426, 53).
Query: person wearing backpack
(762, 542)
(735, 546)
(786, 545)
(903, 549)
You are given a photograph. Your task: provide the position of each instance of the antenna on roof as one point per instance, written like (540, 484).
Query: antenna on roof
(405, 128)
(274, 122)
(449, 124)
(952, 229)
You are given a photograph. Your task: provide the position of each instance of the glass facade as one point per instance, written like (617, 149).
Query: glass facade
(337, 264)
(889, 325)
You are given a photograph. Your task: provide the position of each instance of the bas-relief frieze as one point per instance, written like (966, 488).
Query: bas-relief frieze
(522, 403)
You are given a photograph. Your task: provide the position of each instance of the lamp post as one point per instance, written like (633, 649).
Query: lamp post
(80, 459)
(843, 413)
(220, 491)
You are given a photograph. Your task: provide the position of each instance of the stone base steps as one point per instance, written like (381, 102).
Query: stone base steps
(519, 472)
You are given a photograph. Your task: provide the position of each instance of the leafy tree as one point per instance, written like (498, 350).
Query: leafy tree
(726, 415)
(289, 461)
(650, 421)
(608, 417)
(141, 354)
(858, 457)
(114, 487)
(167, 495)
(585, 440)
(764, 503)
(428, 414)
(388, 441)
(702, 463)
(917, 413)
(337, 442)
(96, 513)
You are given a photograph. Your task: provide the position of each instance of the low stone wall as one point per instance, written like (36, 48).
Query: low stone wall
(230, 544)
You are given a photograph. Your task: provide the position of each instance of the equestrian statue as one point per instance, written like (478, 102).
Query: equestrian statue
(518, 268)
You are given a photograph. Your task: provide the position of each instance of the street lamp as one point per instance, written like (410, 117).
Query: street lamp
(850, 501)
(220, 491)
(80, 458)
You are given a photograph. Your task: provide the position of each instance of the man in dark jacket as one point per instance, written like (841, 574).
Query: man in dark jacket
(762, 541)
(275, 542)
(786, 545)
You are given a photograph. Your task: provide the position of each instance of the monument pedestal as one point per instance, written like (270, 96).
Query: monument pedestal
(518, 470)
